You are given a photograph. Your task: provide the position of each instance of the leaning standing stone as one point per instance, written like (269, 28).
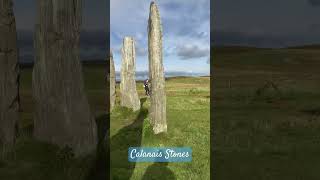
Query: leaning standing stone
(9, 74)
(62, 113)
(156, 72)
(112, 83)
(129, 95)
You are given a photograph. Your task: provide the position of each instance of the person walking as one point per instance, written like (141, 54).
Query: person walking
(146, 87)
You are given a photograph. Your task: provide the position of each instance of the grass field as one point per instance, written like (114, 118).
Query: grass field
(266, 107)
(265, 123)
(188, 106)
(33, 160)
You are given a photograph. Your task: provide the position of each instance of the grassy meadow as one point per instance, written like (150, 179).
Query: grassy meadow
(188, 118)
(188, 107)
(266, 114)
(30, 159)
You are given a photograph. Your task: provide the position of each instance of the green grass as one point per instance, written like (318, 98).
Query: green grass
(34, 160)
(269, 135)
(188, 107)
(188, 125)
(30, 159)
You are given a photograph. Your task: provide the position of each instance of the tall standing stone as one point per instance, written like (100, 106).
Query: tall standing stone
(62, 113)
(9, 73)
(112, 83)
(129, 95)
(156, 72)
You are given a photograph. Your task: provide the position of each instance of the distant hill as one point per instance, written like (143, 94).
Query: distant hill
(311, 47)
(239, 49)
(235, 49)
(84, 62)
(93, 45)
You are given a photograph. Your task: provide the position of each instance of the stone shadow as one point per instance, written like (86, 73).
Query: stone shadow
(101, 167)
(129, 136)
(158, 171)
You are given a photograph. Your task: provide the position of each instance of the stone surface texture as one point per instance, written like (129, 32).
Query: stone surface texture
(129, 95)
(62, 112)
(156, 72)
(112, 82)
(9, 74)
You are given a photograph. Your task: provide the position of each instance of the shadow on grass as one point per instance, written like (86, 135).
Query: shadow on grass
(314, 113)
(48, 161)
(51, 162)
(158, 171)
(129, 136)
(101, 167)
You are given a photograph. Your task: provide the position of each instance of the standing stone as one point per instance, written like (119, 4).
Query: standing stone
(62, 114)
(129, 95)
(156, 72)
(9, 73)
(112, 83)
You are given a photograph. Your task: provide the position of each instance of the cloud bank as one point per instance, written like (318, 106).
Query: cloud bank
(186, 32)
(314, 2)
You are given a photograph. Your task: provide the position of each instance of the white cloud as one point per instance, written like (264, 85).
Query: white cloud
(184, 22)
(192, 52)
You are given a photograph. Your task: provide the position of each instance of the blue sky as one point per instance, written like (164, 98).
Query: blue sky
(186, 32)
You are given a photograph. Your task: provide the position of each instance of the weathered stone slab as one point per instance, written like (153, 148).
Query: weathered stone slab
(112, 83)
(62, 113)
(156, 72)
(129, 95)
(9, 74)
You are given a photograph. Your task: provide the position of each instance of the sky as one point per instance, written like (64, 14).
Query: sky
(94, 14)
(186, 33)
(93, 37)
(259, 23)
(266, 23)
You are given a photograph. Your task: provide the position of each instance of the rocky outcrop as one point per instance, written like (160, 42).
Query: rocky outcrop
(129, 95)
(112, 83)
(156, 72)
(62, 113)
(9, 74)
